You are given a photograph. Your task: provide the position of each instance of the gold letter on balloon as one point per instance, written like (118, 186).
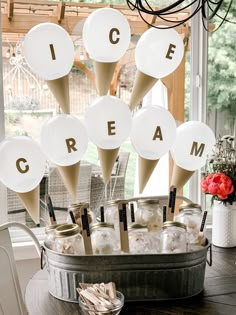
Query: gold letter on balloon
(71, 145)
(20, 169)
(170, 51)
(158, 134)
(111, 128)
(197, 151)
(52, 52)
(112, 40)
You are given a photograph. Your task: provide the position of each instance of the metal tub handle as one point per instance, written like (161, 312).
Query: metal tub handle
(42, 258)
(210, 259)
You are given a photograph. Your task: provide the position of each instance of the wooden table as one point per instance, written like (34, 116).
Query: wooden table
(219, 296)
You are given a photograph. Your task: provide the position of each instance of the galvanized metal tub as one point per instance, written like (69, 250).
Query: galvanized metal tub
(139, 277)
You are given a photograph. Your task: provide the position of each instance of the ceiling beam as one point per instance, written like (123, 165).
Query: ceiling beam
(61, 7)
(10, 9)
(22, 23)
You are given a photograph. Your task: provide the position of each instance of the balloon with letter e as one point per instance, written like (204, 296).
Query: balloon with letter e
(108, 122)
(159, 52)
(22, 164)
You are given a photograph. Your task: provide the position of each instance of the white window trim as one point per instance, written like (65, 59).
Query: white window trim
(3, 189)
(198, 89)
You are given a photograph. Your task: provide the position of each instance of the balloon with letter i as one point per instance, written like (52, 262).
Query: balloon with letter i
(194, 141)
(49, 52)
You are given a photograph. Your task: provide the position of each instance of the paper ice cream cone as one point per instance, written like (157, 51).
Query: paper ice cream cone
(30, 200)
(70, 176)
(60, 89)
(107, 159)
(104, 72)
(180, 176)
(142, 84)
(145, 169)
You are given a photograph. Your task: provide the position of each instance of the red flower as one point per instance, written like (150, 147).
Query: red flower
(217, 184)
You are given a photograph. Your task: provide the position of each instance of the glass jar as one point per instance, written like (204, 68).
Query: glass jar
(76, 209)
(69, 240)
(112, 216)
(149, 213)
(141, 241)
(103, 239)
(190, 215)
(173, 237)
(50, 236)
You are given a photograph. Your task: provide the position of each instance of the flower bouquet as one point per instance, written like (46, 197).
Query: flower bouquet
(219, 180)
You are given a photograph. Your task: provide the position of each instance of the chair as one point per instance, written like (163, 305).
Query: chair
(115, 187)
(58, 192)
(60, 197)
(11, 300)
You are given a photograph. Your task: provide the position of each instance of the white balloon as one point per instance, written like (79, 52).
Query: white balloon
(194, 141)
(22, 164)
(108, 122)
(106, 35)
(159, 52)
(153, 132)
(49, 51)
(64, 139)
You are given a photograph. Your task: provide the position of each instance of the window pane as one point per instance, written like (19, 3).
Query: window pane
(29, 102)
(221, 106)
(221, 111)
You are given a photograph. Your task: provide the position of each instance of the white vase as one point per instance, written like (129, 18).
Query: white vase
(224, 224)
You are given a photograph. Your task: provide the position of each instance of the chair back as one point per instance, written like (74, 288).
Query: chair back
(123, 163)
(11, 301)
(58, 192)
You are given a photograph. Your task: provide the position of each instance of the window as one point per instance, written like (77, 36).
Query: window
(221, 101)
(26, 110)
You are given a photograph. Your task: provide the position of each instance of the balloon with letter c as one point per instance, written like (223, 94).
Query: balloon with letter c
(106, 35)
(22, 164)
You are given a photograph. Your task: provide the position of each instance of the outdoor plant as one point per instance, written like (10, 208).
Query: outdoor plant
(219, 179)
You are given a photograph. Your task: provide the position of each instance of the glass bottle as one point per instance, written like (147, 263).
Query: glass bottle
(190, 215)
(76, 209)
(141, 241)
(68, 240)
(149, 213)
(173, 237)
(103, 239)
